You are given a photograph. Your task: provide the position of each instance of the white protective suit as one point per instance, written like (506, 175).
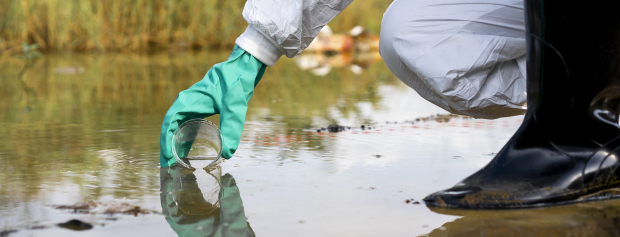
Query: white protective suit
(465, 56)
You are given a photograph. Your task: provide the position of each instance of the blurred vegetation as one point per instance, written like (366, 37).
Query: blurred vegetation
(139, 25)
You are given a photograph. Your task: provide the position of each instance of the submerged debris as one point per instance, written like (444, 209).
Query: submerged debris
(7, 232)
(412, 201)
(335, 128)
(105, 208)
(440, 118)
(77, 208)
(76, 225)
(340, 128)
(126, 209)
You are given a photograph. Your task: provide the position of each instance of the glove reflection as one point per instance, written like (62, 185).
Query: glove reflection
(202, 203)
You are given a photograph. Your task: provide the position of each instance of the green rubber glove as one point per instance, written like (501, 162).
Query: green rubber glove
(225, 90)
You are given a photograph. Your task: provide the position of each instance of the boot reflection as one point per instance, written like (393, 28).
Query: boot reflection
(584, 219)
(202, 203)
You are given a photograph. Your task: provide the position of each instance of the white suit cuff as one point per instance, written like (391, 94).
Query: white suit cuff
(261, 47)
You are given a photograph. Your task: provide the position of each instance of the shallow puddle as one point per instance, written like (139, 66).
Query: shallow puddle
(83, 131)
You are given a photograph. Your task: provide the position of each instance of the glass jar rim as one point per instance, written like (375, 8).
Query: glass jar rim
(192, 121)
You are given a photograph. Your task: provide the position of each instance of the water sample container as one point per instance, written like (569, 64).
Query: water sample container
(197, 144)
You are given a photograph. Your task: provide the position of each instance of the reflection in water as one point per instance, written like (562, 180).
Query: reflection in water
(91, 119)
(202, 203)
(585, 219)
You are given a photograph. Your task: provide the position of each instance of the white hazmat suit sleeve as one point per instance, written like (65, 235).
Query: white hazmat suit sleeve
(280, 27)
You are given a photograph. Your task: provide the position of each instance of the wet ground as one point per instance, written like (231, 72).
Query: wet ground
(80, 142)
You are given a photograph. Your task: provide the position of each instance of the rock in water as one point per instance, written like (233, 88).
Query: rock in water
(76, 225)
(335, 128)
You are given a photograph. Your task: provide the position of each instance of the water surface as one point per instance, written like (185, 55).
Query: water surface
(85, 128)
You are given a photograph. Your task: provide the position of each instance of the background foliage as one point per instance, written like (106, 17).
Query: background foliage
(138, 25)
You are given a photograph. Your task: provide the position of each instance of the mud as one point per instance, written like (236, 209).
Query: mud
(587, 219)
(412, 201)
(488, 196)
(439, 118)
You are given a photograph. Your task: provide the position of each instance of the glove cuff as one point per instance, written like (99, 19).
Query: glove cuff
(261, 47)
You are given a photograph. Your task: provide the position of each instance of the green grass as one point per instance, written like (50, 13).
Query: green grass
(139, 25)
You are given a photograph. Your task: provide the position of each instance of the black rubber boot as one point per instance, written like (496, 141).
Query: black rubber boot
(568, 148)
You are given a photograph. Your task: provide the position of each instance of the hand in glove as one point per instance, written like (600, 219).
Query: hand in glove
(225, 90)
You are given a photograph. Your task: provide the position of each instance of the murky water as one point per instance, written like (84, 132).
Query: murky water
(84, 129)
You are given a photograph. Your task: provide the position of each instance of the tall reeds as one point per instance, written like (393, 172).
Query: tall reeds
(138, 25)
